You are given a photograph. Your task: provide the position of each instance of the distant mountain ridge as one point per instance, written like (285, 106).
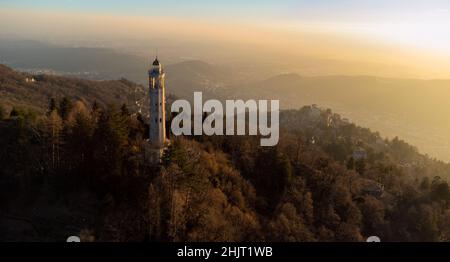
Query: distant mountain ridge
(86, 62)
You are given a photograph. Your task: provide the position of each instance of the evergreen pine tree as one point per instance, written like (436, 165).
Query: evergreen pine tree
(52, 106)
(65, 107)
(2, 112)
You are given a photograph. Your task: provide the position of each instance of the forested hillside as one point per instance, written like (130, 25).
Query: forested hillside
(79, 168)
(19, 89)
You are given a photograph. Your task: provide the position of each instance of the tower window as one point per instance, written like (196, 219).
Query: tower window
(160, 120)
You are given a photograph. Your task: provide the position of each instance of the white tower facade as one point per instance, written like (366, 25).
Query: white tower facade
(157, 93)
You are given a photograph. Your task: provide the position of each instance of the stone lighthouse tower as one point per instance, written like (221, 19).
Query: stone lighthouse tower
(157, 92)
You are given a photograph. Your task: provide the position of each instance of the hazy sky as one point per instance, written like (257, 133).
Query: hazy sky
(413, 34)
(320, 10)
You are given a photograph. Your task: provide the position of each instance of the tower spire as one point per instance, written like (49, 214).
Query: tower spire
(156, 62)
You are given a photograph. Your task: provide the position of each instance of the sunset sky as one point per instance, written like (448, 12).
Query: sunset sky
(409, 34)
